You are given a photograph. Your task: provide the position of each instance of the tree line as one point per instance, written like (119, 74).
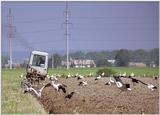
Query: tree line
(122, 57)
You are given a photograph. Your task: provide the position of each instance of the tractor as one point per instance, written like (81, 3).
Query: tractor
(37, 67)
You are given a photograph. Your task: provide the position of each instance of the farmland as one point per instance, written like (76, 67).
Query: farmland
(13, 99)
(97, 97)
(137, 71)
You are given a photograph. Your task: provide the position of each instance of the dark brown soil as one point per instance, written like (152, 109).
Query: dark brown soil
(98, 98)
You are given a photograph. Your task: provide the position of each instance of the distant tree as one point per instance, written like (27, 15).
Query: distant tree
(4, 60)
(102, 63)
(54, 60)
(140, 55)
(24, 64)
(77, 55)
(154, 55)
(50, 62)
(94, 55)
(57, 60)
(122, 57)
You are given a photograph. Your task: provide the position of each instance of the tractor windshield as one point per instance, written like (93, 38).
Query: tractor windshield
(38, 60)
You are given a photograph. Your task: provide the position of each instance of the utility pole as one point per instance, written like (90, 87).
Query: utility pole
(67, 33)
(53, 61)
(10, 22)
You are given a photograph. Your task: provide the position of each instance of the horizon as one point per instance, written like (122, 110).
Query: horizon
(26, 54)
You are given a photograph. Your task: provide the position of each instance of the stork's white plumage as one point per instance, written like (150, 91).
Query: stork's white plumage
(56, 79)
(80, 77)
(48, 76)
(53, 78)
(99, 77)
(58, 86)
(132, 74)
(39, 92)
(108, 83)
(111, 80)
(77, 74)
(55, 86)
(102, 74)
(119, 84)
(69, 75)
(124, 74)
(120, 74)
(21, 75)
(90, 74)
(83, 83)
(30, 88)
(58, 75)
(152, 87)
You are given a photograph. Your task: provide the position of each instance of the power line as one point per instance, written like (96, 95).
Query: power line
(39, 31)
(110, 23)
(38, 20)
(115, 28)
(81, 17)
(94, 40)
(85, 17)
(115, 17)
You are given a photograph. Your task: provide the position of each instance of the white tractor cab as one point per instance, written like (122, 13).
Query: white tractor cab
(38, 65)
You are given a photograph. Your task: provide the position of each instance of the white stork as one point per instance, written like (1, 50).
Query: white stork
(132, 74)
(29, 88)
(83, 83)
(80, 77)
(99, 77)
(58, 86)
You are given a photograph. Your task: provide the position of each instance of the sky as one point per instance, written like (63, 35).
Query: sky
(94, 26)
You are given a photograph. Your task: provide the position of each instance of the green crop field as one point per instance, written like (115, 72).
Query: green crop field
(85, 71)
(15, 101)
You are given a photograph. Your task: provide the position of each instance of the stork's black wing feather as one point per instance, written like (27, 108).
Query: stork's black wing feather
(137, 80)
(63, 88)
(48, 84)
(80, 83)
(142, 82)
(69, 95)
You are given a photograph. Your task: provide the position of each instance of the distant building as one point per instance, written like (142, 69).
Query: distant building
(16, 65)
(80, 63)
(64, 63)
(152, 64)
(136, 64)
(111, 61)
